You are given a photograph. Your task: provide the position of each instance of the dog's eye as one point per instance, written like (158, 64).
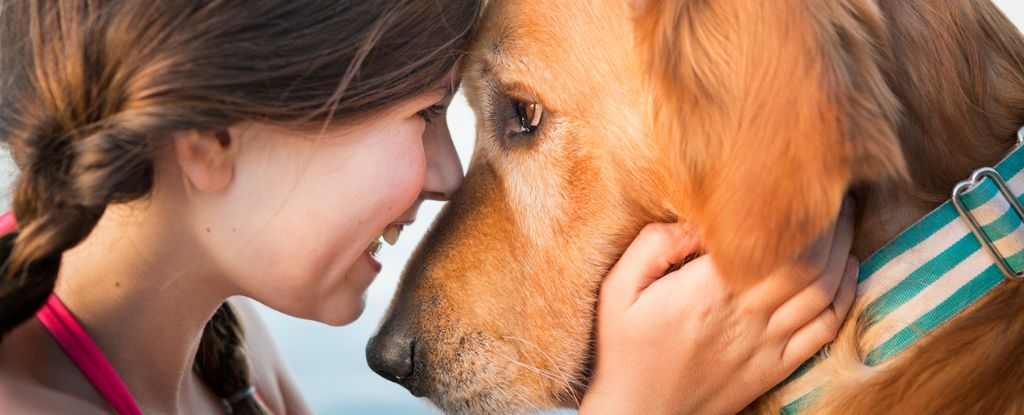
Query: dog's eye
(529, 115)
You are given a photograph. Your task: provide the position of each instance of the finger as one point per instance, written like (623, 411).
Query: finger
(847, 290)
(647, 258)
(796, 311)
(821, 294)
(844, 234)
(697, 275)
(810, 338)
(834, 251)
(798, 299)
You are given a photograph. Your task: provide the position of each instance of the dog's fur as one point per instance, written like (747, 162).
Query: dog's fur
(748, 119)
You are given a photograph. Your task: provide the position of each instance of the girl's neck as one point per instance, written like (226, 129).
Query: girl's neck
(144, 293)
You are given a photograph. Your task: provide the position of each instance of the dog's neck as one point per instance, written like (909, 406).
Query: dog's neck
(880, 219)
(946, 129)
(886, 209)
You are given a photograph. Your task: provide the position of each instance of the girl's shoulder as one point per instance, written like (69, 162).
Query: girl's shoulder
(19, 395)
(36, 376)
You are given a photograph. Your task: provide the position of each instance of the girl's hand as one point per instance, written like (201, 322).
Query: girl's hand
(691, 342)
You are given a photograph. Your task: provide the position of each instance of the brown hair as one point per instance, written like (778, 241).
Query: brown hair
(89, 86)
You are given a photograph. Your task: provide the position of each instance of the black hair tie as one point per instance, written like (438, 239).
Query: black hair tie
(237, 398)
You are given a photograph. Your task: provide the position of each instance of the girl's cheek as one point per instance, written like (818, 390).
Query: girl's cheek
(415, 178)
(416, 174)
(401, 174)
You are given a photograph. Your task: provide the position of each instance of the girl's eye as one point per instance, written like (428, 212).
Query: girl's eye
(432, 113)
(529, 116)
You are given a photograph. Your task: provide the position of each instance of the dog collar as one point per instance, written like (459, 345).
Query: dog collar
(932, 271)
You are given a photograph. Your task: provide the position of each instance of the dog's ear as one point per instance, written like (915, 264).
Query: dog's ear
(767, 112)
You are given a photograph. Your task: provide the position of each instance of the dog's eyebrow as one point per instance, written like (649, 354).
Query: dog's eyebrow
(498, 43)
(486, 68)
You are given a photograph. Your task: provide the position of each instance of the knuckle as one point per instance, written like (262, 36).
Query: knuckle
(806, 271)
(838, 319)
(819, 297)
(830, 329)
(818, 264)
(657, 233)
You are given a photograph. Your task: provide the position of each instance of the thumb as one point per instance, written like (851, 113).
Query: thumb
(648, 258)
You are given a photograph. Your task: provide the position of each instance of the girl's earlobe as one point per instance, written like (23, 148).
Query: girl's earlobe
(186, 184)
(206, 159)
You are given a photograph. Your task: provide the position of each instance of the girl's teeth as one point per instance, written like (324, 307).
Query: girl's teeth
(374, 247)
(391, 234)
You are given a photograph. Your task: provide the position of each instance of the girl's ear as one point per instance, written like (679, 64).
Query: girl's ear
(767, 112)
(206, 158)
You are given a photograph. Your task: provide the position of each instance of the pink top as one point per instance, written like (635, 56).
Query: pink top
(86, 355)
(84, 352)
(7, 222)
(71, 337)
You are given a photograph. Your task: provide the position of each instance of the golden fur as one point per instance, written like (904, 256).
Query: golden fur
(749, 119)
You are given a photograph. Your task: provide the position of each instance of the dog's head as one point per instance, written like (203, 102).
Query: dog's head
(747, 119)
(495, 310)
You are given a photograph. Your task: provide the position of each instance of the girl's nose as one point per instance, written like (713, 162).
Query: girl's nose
(444, 170)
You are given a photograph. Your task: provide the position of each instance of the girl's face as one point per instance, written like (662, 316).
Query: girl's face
(294, 227)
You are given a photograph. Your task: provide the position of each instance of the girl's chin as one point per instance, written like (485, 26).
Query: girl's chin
(345, 313)
(345, 299)
(349, 305)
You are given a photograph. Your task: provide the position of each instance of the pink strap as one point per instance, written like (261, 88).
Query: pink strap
(7, 222)
(86, 355)
(79, 346)
(72, 337)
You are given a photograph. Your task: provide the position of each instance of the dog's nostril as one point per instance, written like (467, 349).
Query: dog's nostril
(391, 357)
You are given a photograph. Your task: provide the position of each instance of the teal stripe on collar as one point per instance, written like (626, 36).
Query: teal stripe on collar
(804, 403)
(956, 303)
(1003, 226)
(906, 240)
(921, 278)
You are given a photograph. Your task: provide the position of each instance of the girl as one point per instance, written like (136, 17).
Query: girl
(176, 153)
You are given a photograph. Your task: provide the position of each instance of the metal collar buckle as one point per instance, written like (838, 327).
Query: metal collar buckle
(972, 222)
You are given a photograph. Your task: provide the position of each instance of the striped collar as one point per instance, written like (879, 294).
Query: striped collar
(931, 272)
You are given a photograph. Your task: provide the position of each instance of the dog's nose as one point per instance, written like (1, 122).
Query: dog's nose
(391, 356)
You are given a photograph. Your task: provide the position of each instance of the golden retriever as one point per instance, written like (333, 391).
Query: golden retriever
(749, 119)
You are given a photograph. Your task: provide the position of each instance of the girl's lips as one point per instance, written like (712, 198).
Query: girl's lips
(390, 235)
(373, 262)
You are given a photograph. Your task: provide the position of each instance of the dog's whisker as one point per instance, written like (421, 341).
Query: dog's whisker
(534, 369)
(568, 382)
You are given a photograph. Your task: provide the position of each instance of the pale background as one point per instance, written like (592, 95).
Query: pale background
(329, 363)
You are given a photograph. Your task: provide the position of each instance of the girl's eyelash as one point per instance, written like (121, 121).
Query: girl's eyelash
(434, 111)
